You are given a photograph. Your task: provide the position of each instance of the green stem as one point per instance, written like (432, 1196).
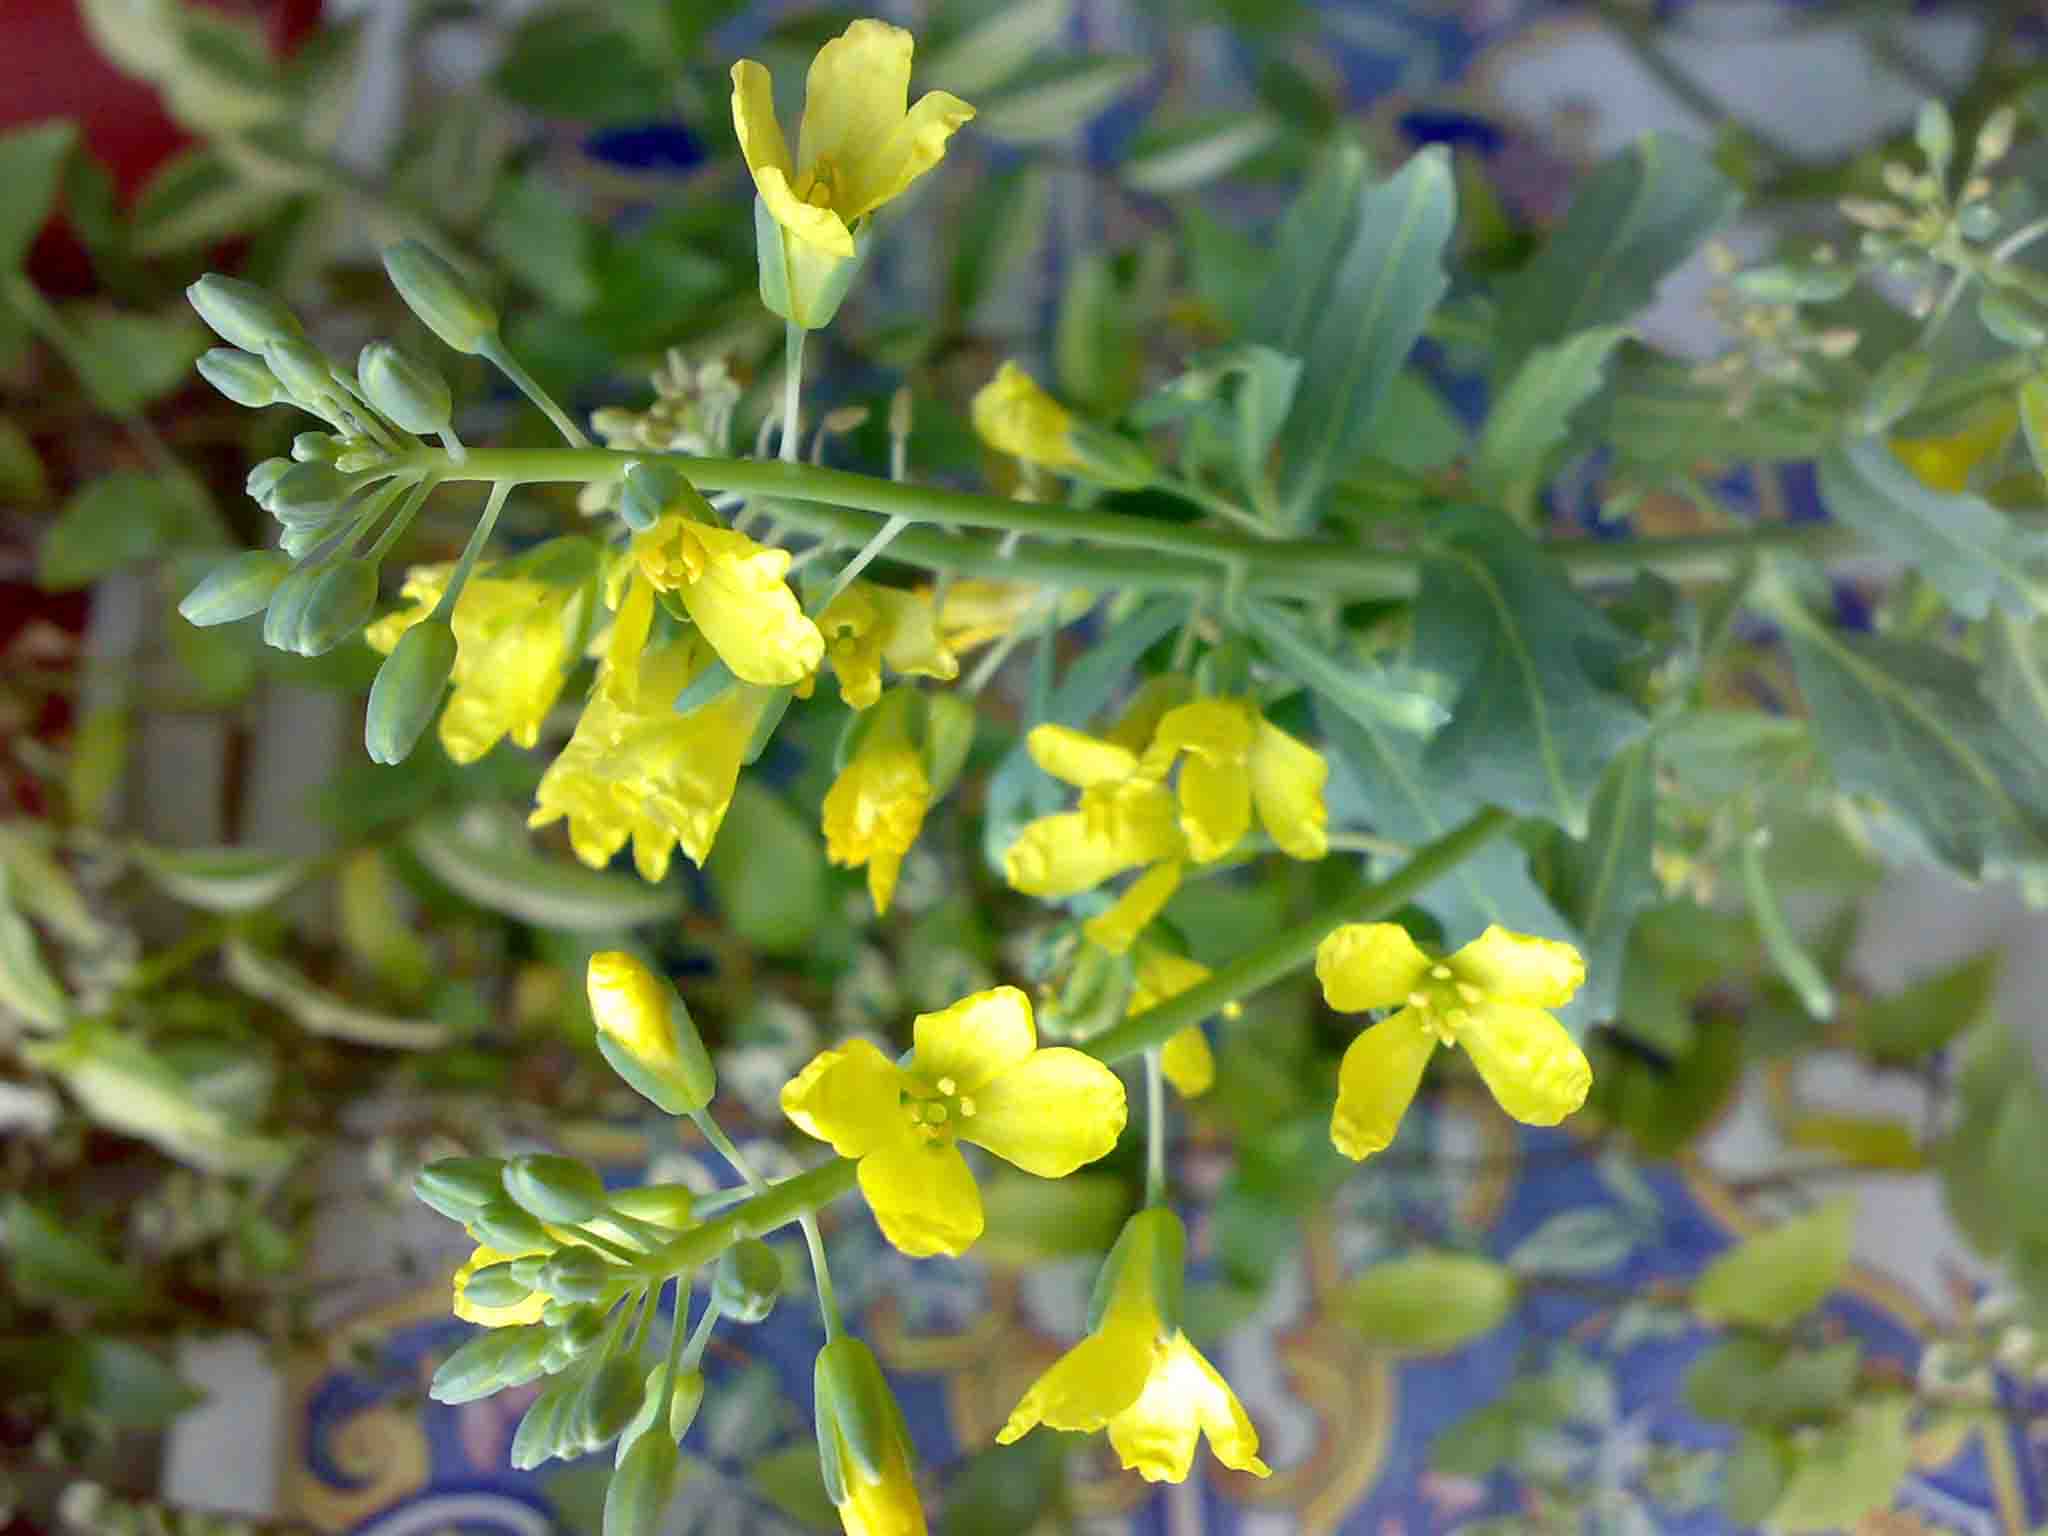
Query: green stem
(493, 350)
(789, 1201)
(821, 1272)
(401, 520)
(700, 1336)
(479, 536)
(675, 1352)
(1155, 1129)
(792, 391)
(714, 1133)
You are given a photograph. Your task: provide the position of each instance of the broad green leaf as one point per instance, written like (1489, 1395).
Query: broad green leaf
(1492, 1436)
(1429, 1303)
(1659, 418)
(1356, 268)
(777, 913)
(1539, 711)
(538, 237)
(1931, 1012)
(21, 467)
(1908, 723)
(1750, 1379)
(1632, 222)
(1663, 1103)
(110, 522)
(223, 81)
(1534, 412)
(130, 360)
(1604, 880)
(2016, 677)
(1239, 398)
(222, 879)
(1031, 1220)
(1860, 1141)
(122, 1382)
(790, 1480)
(320, 1012)
(1781, 1274)
(1051, 97)
(1852, 1470)
(1992, 1071)
(1717, 753)
(1416, 429)
(571, 62)
(1967, 549)
(50, 1262)
(1003, 228)
(195, 198)
(28, 990)
(1179, 154)
(488, 860)
(2034, 419)
(974, 46)
(31, 169)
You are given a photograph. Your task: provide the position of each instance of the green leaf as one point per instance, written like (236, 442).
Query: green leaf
(195, 198)
(1577, 1242)
(1051, 97)
(1993, 1070)
(42, 887)
(110, 522)
(27, 987)
(1632, 222)
(571, 62)
(2016, 677)
(222, 879)
(1780, 1275)
(129, 360)
(1534, 412)
(999, 232)
(31, 169)
(1930, 1013)
(761, 833)
(973, 46)
(1851, 1471)
(1748, 1379)
(49, 1262)
(1663, 1104)
(1429, 1303)
(1355, 270)
(1182, 153)
(1604, 880)
(1969, 550)
(1754, 1479)
(487, 859)
(121, 1382)
(535, 235)
(1416, 429)
(1366, 693)
(1539, 711)
(21, 467)
(320, 1012)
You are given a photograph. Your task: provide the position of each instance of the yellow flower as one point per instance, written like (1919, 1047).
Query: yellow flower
(646, 1033)
(734, 591)
(974, 612)
(1136, 1373)
(1237, 759)
(1491, 997)
(976, 1074)
(515, 641)
(876, 806)
(1014, 416)
(642, 772)
(867, 625)
(1186, 1058)
(527, 1311)
(864, 1449)
(860, 142)
(1945, 462)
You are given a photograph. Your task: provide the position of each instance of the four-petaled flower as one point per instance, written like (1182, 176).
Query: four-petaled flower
(1492, 997)
(876, 806)
(869, 624)
(736, 594)
(976, 1074)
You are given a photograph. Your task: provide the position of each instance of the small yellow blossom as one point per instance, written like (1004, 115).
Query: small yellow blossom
(1186, 1059)
(515, 641)
(1492, 997)
(645, 1032)
(868, 625)
(860, 143)
(1237, 759)
(974, 612)
(736, 593)
(1137, 1375)
(1945, 462)
(527, 1311)
(1014, 416)
(976, 1074)
(864, 1448)
(876, 806)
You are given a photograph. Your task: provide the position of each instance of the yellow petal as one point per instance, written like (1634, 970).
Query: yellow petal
(854, 98)
(1515, 968)
(1117, 828)
(525, 1311)
(917, 144)
(1077, 758)
(1535, 1068)
(1156, 696)
(1184, 1396)
(1116, 929)
(1219, 730)
(633, 1006)
(744, 608)
(1944, 463)
(1376, 1083)
(886, 1507)
(975, 1041)
(1287, 786)
(1014, 416)
(1049, 1115)
(820, 229)
(1188, 1062)
(850, 1097)
(618, 676)
(923, 1196)
(1368, 965)
(1215, 807)
(1093, 1382)
(874, 811)
(753, 120)
(1162, 974)
(911, 641)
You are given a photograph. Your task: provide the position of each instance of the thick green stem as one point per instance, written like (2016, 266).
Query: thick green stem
(791, 1200)
(1155, 1129)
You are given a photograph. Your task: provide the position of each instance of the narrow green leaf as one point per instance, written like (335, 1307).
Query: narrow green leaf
(974, 46)
(131, 360)
(1178, 155)
(1429, 1303)
(21, 467)
(1364, 692)
(1053, 96)
(1781, 1274)
(50, 1262)
(222, 879)
(489, 861)
(1534, 412)
(1931, 1012)
(320, 1012)
(999, 232)
(31, 169)
(28, 990)
(1604, 880)
(1788, 953)
(571, 62)
(1750, 1379)
(2016, 677)
(194, 198)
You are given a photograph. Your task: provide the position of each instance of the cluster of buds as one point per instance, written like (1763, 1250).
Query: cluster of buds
(691, 414)
(1775, 342)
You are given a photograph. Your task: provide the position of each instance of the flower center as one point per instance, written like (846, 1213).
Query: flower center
(1444, 1003)
(819, 186)
(936, 1109)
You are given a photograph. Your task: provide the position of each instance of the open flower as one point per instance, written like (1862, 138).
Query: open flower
(976, 1074)
(1236, 760)
(868, 625)
(876, 806)
(524, 1311)
(1013, 415)
(860, 142)
(1136, 1374)
(1492, 997)
(737, 594)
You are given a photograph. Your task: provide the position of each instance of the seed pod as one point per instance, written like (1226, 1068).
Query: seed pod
(554, 1188)
(407, 692)
(242, 314)
(749, 1281)
(236, 588)
(442, 297)
(411, 393)
(241, 376)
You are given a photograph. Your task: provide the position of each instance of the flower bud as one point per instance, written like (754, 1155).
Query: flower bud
(339, 604)
(1150, 1255)
(407, 692)
(682, 1408)
(241, 376)
(646, 492)
(577, 1274)
(549, 1426)
(287, 607)
(495, 1286)
(802, 283)
(948, 737)
(642, 1487)
(443, 298)
(303, 369)
(262, 482)
(306, 493)
(411, 393)
(528, 1267)
(491, 1362)
(236, 588)
(554, 1188)
(666, 1205)
(749, 1281)
(582, 1330)
(502, 1225)
(863, 1446)
(317, 448)
(645, 1032)
(610, 1401)
(242, 314)
(459, 1187)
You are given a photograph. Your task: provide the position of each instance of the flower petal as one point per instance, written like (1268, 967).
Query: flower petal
(1093, 1382)
(1515, 968)
(1116, 929)
(1050, 1114)
(1215, 806)
(1232, 1439)
(918, 144)
(1287, 786)
(1368, 965)
(1067, 853)
(744, 608)
(753, 121)
(1155, 1437)
(1219, 730)
(1376, 1083)
(1079, 759)
(820, 228)
(923, 1196)
(1535, 1068)
(1013, 415)
(850, 1097)
(911, 642)
(1188, 1062)
(527, 1310)
(976, 1040)
(854, 96)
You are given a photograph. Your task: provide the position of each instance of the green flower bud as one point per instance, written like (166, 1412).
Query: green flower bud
(411, 393)
(610, 1401)
(495, 1286)
(407, 692)
(749, 1281)
(529, 1267)
(666, 1205)
(316, 448)
(646, 492)
(306, 492)
(505, 1227)
(492, 1361)
(1150, 1252)
(340, 603)
(948, 737)
(682, 1408)
(242, 314)
(642, 1487)
(1111, 459)
(241, 376)
(262, 482)
(800, 282)
(554, 1188)
(577, 1274)
(236, 588)
(645, 1031)
(303, 369)
(442, 297)
(287, 608)
(582, 1330)
(861, 1435)
(299, 540)
(459, 1187)
(548, 1428)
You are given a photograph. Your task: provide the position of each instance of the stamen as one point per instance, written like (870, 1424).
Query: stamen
(1441, 972)
(948, 1087)
(1469, 993)
(966, 1109)
(936, 1113)
(1419, 1001)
